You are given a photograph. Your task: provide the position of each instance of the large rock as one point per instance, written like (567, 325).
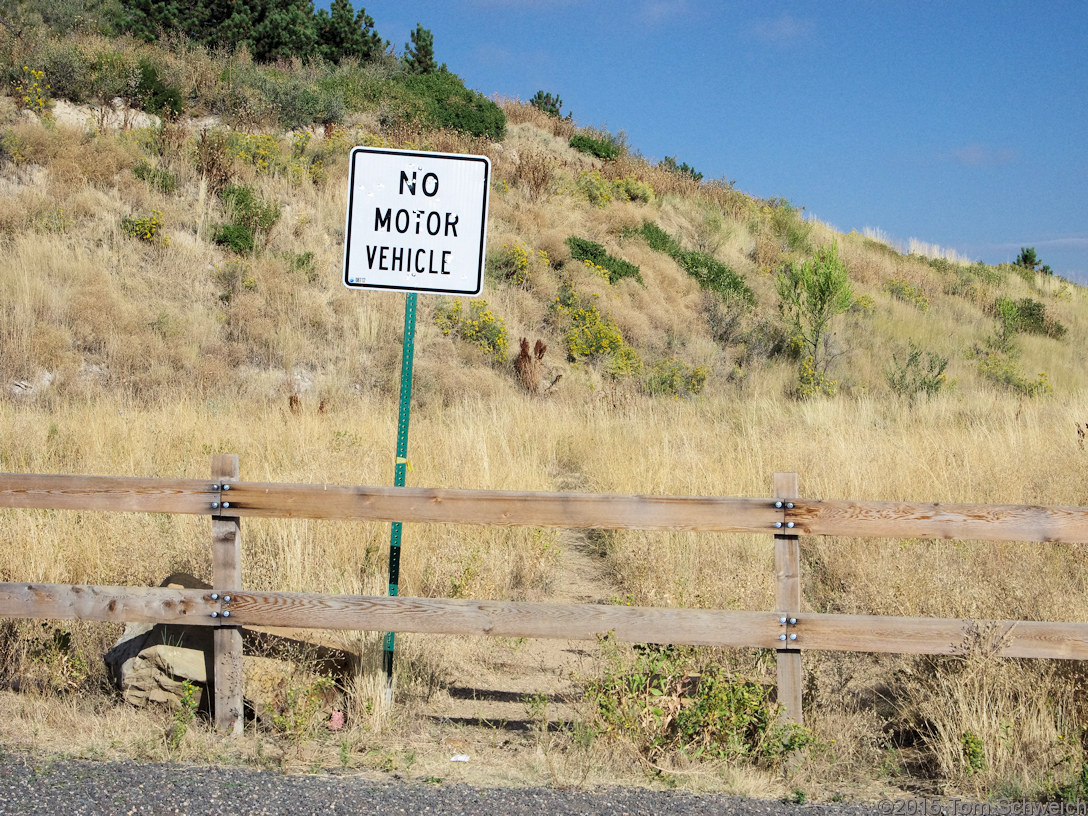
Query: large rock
(150, 664)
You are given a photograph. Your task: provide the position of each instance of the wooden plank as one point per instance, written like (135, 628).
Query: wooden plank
(986, 522)
(228, 679)
(63, 492)
(107, 603)
(787, 568)
(573, 510)
(873, 633)
(506, 619)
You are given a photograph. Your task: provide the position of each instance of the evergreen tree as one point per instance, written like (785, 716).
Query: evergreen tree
(419, 53)
(1027, 258)
(285, 29)
(341, 33)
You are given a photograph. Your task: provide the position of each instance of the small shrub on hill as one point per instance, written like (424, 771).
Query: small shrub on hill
(146, 228)
(517, 264)
(908, 293)
(547, 103)
(666, 701)
(711, 273)
(912, 377)
(157, 178)
(601, 148)
(1026, 315)
(481, 327)
(250, 217)
(592, 335)
(683, 169)
(582, 249)
(442, 101)
(675, 378)
(155, 95)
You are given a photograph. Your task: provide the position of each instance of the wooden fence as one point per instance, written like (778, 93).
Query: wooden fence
(785, 516)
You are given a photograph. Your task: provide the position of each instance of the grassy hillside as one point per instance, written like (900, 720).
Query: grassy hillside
(167, 287)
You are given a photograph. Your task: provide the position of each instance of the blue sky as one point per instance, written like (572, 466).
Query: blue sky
(962, 123)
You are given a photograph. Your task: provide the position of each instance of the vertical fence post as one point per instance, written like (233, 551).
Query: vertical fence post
(226, 578)
(787, 569)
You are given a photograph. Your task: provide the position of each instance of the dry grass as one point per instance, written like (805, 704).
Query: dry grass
(145, 360)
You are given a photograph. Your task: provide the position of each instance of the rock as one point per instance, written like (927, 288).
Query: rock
(151, 664)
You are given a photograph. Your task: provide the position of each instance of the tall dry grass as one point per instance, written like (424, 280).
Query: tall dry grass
(146, 360)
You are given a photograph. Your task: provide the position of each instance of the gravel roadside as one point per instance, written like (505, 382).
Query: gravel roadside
(67, 787)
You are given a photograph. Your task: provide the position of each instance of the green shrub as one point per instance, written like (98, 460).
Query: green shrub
(601, 148)
(582, 249)
(547, 103)
(669, 163)
(480, 327)
(912, 376)
(664, 700)
(908, 293)
(596, 188)
(157, 178)
(1026, 315)
(711, 273)
(442, 101)
(147, 228)
(675, 378)
(236, 237)
(631, 189)
(156, 96)
(592, 335)
(517, 264)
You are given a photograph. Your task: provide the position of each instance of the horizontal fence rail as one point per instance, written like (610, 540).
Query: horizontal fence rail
(632, 624)
(983, 522)
(226, 500)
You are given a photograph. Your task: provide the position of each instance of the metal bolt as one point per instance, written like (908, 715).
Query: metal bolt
(227, 504)
(227, 615)
(788, 523)
(215, 505)
(793, 621)
(215, 596)
(226, 599)
(777, 524)
(792, 636)
(226, 487)
(215, 487)
(781, 637)
(781, 620)
(778, 504)
(215, 614)
(789, 505)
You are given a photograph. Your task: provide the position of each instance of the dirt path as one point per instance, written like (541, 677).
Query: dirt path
(516, 676)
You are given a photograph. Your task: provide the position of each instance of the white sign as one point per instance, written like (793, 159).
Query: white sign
(417, 221)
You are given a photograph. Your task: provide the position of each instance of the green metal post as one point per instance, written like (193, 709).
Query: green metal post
(401, 466)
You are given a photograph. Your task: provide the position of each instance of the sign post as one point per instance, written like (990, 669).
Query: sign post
(417, 222)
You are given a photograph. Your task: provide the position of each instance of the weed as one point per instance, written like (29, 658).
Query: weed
(32, 92)
(517, 264)
(913, 377)
(675, 378)
(601, 148)
(297, 716)
(591, 334)
(908, 293)
(183, 716)
(213, 159)
(665, 700)
(481, 327)
(582, 249)
(157, 178)
(147, 228)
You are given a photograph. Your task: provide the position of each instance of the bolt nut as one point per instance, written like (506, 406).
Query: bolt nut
(215, 505)
(215, 614)
(226, 487)
(227, 504)
(792, 636)
(227, 615)
(778, 504)
(789, 524)
(781, 620)
(793, 621)
(780, 637)
(215, 596)
(226, 599)
(789, 505)
(215, 487)
(777, 525)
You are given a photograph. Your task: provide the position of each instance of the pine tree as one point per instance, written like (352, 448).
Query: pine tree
(341, 33)
(419, 53)
(286, 29)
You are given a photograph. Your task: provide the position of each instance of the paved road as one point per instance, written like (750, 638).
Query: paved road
(64, 787)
